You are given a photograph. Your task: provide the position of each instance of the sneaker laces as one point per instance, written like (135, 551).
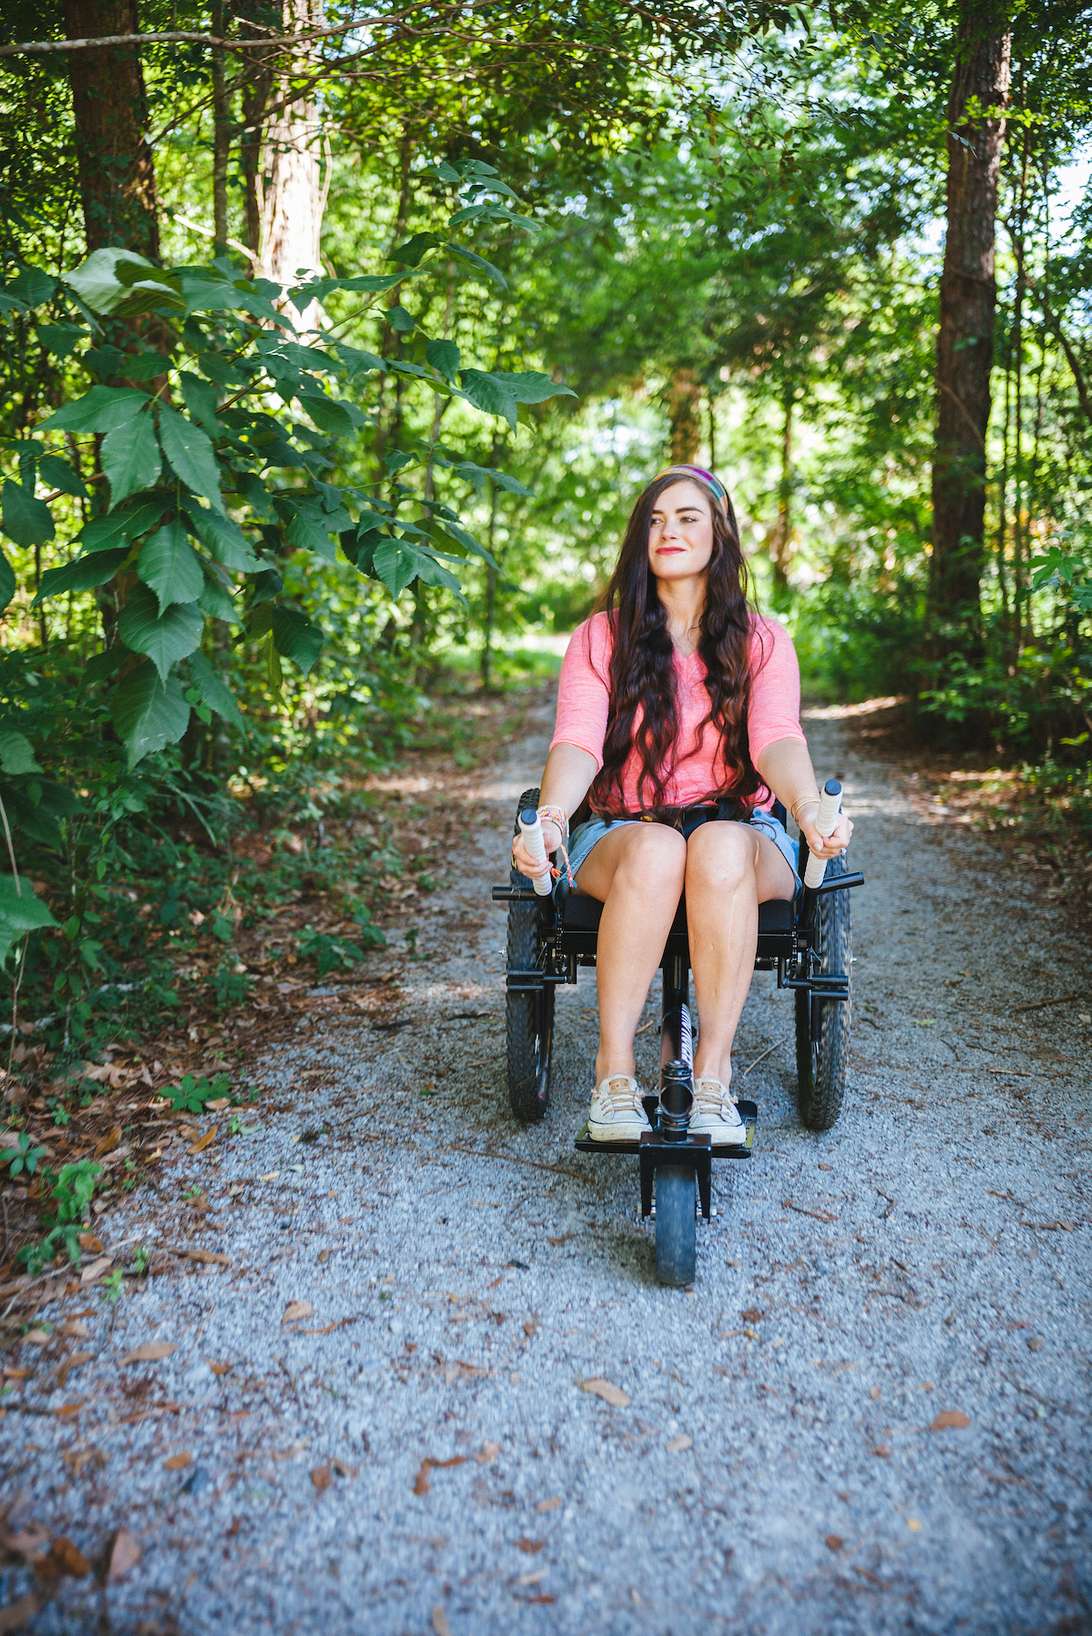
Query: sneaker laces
(624, 1098)
(713, 1096)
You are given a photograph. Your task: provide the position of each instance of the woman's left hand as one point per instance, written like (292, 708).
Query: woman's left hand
(826, 846)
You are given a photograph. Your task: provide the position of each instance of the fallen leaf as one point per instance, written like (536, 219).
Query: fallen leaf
(124, 1555)
(834, 1542)
(678, 1444)
(534, 1578)
(549, 1505)
(606, 1390)
(1034, 1343)
(914, 1525)
(428, 1465)
(751, 1315)
(489, 1452)
(68, 1411)
(107, 1144)
(875, 1393)
(950, 1418)
(91, 1243)
(530, 1327)
(70, 1363)
(530, 1546)
(177, 1462)
(295, 1310)
(37, 1337)
(211, 1258)
(883, 1450)
(77, 1330)
(321, 1477)
(220, 1368)
(150, 1352)
(95, 1269)
(439, 1622)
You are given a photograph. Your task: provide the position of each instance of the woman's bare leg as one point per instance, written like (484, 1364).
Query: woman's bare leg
(730, 870)
(636, 872)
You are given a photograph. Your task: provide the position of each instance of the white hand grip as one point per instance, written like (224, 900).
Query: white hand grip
(531, 830)
(830, 803)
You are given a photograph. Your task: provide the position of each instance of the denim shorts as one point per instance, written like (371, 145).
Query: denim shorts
(585, 836)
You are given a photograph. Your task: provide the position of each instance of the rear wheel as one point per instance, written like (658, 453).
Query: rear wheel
(822, 1026)
(675, 1225)
(529, 1014)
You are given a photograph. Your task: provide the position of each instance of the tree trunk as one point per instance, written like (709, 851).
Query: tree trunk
(965, 339)
(221, 134)
(684, 410)
(293, 200)
(782, 540)
(117, 176)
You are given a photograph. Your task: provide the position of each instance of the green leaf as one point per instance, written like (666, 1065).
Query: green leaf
(126, 523)
(477, 475)
(328, 413)
(32, 286)
(480, 263)
(26, 520)
(17, 753)
(130, 458)
(444, 356)
(308, 531)
(296, 637)
(189, 452)
(212, 690)
(224, 538)
(488, 392)
(215, 600)
(319, 288)
(7, 582)
(359, 362)
(61, 339)
(201, 401)
(117, 281)
(164, 638)
(410, 253)
(94, 568)
(170, 566)
(400, 320)
(102, 409)
(21, 911)
(148, 712)
(394, 562)
(532, 386)
(61, 474)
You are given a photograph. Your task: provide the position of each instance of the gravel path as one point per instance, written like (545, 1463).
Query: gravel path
(868, 1415)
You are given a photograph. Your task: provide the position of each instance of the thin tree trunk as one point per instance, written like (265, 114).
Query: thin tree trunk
(490, 610)
(221, 135)
(292, 197)
(965, 337)
(683, 407)
(1003, 496)
(782, 540)
(1018, 415)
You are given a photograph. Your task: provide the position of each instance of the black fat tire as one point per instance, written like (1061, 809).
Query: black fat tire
(529, 1017)
(822, 1026)
(675, 1189)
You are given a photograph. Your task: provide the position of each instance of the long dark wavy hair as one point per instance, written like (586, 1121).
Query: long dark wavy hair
(642, 670)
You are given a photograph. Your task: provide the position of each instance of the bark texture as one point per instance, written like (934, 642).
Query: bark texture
(117, 176)
(968, 300)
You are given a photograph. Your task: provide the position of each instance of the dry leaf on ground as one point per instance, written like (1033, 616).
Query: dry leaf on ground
(177, 1462)
(150, 1352)
(295, 1310)
(678, 1444)
(321, 1477)
(605, 1389)
(439, 1622)
(950, 1418)
(124, 1554)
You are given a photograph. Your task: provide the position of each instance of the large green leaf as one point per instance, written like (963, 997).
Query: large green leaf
(164, 638)
(201, 399)
(330, 415)
(20, 912)
(94, 568)
(444, 356)
(170, 566)
(26, 520)
(480, 263)
(216, 600)
(130, 458)
(16, 753)
(147, 712)
(61, 474)
(212, 690)
(126, 523)
(296, 637)
(223, 537)
(120, 281)
(102, 409)
(190, 453)
(7, 582)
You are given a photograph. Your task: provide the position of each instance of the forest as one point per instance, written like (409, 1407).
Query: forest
(339, 339)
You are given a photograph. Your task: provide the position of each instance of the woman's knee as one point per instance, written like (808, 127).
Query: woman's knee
(654, 857)
(722, 855)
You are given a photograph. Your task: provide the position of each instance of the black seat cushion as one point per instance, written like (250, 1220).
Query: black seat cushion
(581, 914)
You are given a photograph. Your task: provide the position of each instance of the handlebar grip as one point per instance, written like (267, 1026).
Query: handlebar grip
(531, 830)
(830, 802)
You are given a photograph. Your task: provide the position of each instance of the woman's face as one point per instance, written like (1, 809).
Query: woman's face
(680, 534)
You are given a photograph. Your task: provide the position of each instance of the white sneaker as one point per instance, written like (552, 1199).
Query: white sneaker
(616, 1113)
(715, 1111)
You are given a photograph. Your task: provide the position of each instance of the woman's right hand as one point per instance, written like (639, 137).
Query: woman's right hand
(551, 840)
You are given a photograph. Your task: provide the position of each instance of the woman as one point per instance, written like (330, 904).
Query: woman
(678, 714)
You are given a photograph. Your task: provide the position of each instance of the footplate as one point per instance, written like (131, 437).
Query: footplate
(748, 1112)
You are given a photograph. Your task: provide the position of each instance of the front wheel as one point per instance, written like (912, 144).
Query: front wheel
(529, 1014)
(822, 1026)
(675, 1226)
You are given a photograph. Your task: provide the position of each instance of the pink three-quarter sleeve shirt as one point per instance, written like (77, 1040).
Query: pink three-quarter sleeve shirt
(583, 698)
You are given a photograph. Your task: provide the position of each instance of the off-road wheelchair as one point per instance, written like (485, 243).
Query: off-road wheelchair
(807, 944)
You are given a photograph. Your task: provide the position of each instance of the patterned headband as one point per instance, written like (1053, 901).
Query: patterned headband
(713, 484)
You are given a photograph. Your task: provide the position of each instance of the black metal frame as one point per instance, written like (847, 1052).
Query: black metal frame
(786, 944)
